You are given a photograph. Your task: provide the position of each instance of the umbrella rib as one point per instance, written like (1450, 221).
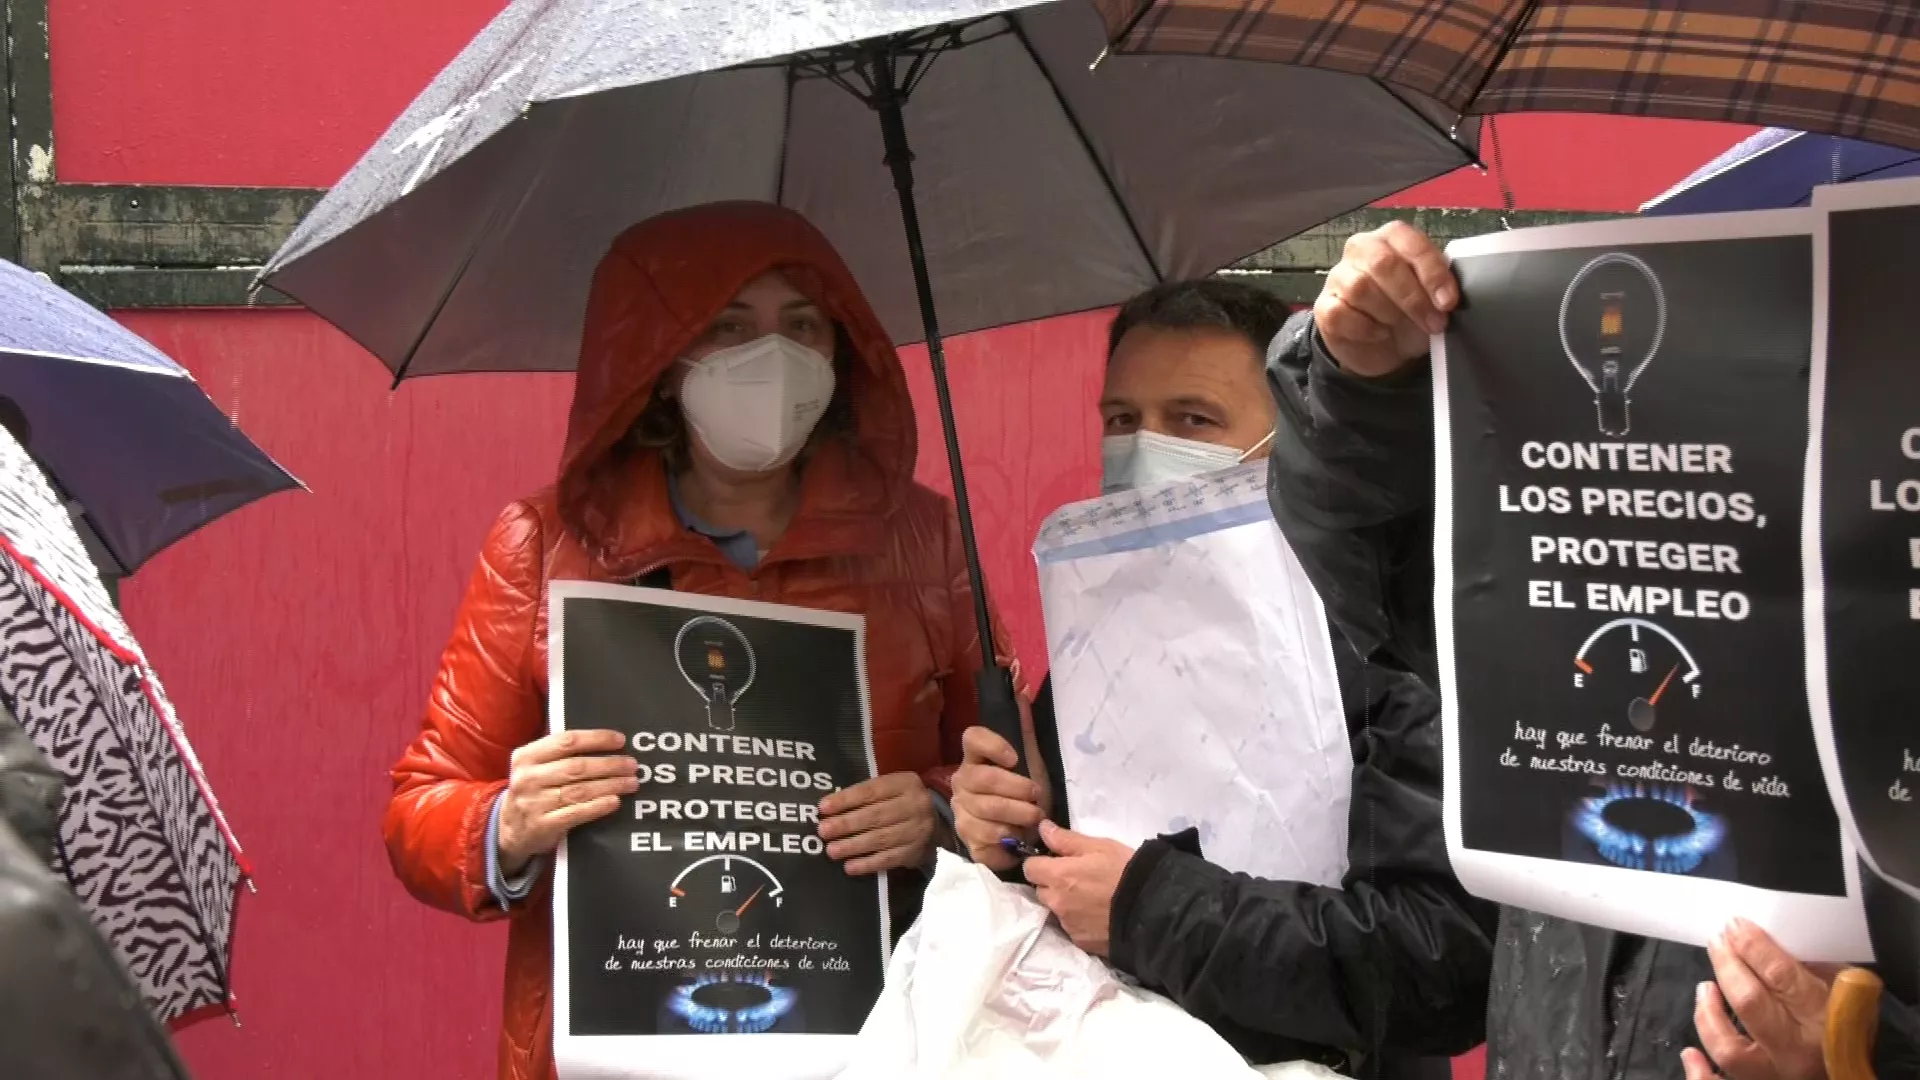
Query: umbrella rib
(1118, 41)
(1500, 56)
(201, 929)
(137, 768)
(440, 305)
(1473, 155)
(1877, 170)
(493, 215)
(786, 139)
(102, 361)
(119, 560)
(453, 283)
(1080, 133)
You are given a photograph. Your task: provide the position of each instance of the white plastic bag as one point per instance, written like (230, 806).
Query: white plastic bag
(1193, 677)
(984, 985)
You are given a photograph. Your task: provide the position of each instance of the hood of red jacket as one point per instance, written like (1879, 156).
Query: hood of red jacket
(655, 292)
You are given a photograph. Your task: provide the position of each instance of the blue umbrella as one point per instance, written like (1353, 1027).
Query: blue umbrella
(1778, 168)
(120, 428)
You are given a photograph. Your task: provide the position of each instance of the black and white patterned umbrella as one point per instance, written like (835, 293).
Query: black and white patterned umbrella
(142, 840)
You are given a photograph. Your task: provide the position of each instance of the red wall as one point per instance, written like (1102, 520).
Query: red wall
(298, 637)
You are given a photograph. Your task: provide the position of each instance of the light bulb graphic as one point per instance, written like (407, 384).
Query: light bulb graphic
(717, 660)
(1611, 321)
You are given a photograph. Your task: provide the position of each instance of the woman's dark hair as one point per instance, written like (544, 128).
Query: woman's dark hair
(1204, 304)
(661, 426)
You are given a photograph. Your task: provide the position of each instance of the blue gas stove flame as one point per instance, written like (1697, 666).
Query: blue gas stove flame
(744, 1018)
(1677, 854)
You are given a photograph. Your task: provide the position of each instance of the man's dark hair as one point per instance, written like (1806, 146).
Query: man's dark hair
(1204, 304)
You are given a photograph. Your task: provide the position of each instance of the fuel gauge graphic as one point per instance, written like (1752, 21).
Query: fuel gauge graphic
(1667, 828)
(731, 886)
(1641, 659)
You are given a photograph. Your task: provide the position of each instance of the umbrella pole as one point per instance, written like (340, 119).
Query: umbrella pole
(999, 708)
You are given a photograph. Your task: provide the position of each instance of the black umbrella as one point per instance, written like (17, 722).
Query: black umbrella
(465, 239)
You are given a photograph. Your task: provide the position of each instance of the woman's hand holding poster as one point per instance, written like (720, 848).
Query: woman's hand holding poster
(702, 930)
(1634, 642)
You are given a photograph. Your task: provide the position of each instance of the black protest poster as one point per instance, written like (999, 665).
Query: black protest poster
(707, 904)
(1869, 467)
(1623, 436)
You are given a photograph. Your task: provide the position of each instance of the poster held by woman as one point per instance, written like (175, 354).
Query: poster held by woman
(740, 428)
(702, 930)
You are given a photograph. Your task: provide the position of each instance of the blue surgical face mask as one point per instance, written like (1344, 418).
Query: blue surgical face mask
(1145, 458)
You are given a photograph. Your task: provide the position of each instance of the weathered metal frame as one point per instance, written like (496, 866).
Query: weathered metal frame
(163, 246)
(123, 246)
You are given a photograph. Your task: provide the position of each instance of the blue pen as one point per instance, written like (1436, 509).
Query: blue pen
(1023, 849)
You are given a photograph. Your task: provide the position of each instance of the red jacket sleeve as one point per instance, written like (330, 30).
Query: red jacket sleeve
(485, 703)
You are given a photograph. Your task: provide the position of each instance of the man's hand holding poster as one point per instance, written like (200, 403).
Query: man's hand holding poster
(1621, 429)
(702, 930)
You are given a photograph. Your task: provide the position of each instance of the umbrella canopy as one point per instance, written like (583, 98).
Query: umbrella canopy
(141, 839)
(464, 240)
(123, 430)
(1839, 67)
(1777, 168)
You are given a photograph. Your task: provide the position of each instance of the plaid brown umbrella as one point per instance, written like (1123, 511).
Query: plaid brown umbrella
(1840, 67)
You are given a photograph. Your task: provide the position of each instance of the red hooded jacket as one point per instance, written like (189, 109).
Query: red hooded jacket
(866, 539)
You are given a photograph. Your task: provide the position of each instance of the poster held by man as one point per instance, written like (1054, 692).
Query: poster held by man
(702, 931)
(1620, 445)
(1864, 496)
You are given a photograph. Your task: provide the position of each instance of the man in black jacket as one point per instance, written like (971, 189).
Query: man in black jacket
(1382, 977)
(1352, 487)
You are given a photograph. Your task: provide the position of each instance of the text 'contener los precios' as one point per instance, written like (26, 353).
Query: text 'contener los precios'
(1634, 554)
(657, 804)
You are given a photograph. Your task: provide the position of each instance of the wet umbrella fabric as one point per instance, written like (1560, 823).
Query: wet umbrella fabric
(465, 240)
(1838, 67)
(141, 839)
(1778, 168)
(123, 430)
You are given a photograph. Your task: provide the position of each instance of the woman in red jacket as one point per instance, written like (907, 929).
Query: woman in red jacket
(741, 424)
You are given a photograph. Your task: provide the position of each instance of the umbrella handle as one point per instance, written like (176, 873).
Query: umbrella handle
(1853, 1021)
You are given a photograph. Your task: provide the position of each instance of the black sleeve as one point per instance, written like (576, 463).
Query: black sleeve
(1896, 1051)
(1395, 961)
(1046, 732)
(1893, 920)
(68, 1008)
(1351, 486)
(30, 789)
